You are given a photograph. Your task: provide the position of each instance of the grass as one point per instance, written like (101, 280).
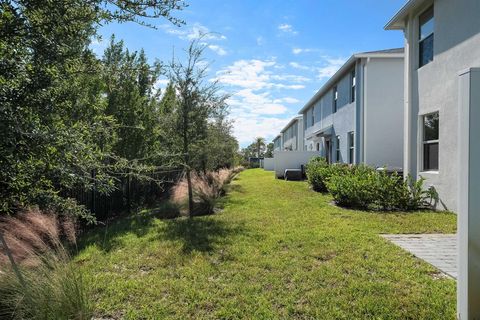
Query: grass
(277, 250)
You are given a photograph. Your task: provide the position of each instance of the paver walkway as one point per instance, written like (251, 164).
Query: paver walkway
(440, 250)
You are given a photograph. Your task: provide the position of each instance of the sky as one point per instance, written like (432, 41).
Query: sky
(270, 55)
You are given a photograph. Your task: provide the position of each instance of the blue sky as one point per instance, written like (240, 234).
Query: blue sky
(271, 55)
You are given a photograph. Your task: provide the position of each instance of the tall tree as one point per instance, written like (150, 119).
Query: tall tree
(269, 150)
(54, 129)
(259, 146)
(198, 101)
(131, 99)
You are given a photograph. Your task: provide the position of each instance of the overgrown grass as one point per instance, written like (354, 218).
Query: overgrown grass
(277, 250)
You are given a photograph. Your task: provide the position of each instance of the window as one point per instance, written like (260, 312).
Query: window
(351, 147)
(425, 44)
(318, 146)
(352, 85)
(335, 99)
(430, 141)
(313, 116)
(338, 149)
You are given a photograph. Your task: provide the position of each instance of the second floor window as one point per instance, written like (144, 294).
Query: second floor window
(425, 42)
(313, 116)
(352, 86)
(335, 99)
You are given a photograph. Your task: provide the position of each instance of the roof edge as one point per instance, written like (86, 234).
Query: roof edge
(348, 64)
(396, 22)
(296, 118)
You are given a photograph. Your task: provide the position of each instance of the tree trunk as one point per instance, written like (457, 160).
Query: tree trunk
(187, 162)
(190, 194)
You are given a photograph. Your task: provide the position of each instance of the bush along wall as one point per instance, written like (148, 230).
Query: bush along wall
(363, 187)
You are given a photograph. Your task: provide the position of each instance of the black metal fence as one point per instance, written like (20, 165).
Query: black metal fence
(130, 193)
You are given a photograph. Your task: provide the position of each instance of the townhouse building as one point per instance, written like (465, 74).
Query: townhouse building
(442, 40)
(292, 135)
(357, 116)
(277, 143)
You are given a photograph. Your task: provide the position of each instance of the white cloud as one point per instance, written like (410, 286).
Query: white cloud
(247, 100)
(299, 66)
(192, 32)
(287, 100)
(217, 49)
(302, 50)
(260, 40)
(250, 74)
(255, 105)
(161, 83)
(287, 28)
(247, 128)
(330, 66)
(291, 78)
(253, 74)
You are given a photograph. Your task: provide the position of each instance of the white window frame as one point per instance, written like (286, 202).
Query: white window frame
(351, 147)
(353, 83)
(337, 149)
(420, 40)
(424, 142)
(335, 98)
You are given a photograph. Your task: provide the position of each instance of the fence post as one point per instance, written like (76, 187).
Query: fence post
(468, 284)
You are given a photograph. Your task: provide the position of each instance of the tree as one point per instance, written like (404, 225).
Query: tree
(197, 101)
(55, 132)
(131, 99)
(269, 151)
(259, 146)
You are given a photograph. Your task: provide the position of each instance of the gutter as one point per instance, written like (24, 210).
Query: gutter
(396, 22)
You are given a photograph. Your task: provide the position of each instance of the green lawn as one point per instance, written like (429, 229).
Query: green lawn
(278, 250)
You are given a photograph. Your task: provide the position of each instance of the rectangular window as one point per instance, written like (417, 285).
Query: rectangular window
(352, 86)
(318, 146)
(430, 141)
(335, 99)
(338, 149)
(351, 147)
(313, 116)
(425, 37)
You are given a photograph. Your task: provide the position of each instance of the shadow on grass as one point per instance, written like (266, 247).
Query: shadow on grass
(201, 234)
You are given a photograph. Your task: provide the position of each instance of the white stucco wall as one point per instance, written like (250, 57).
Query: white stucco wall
(383, 112)
(290, 160)
(296, 142)
(268, 164)
(375, 117)
(434, 87)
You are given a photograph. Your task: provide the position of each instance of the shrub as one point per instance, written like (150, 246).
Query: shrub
(319, 172)
(42, 283)
(354, 188)
(365, 188)
(207, 189)
(391, 192)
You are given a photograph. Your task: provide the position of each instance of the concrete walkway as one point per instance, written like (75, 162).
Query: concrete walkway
(440, 250)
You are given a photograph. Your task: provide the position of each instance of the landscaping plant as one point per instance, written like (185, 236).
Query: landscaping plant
(207, 189)
(37, 278)
(365, 188)
(319, 172)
